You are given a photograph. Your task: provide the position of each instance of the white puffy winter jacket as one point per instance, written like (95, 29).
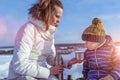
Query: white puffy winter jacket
(34, 51)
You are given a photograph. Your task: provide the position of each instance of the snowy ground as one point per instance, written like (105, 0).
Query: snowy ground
(4, 63)
(75, 71)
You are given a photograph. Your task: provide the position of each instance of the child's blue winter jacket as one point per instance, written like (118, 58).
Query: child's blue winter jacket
(102, 62)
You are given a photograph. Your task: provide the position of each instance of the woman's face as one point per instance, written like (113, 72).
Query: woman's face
(91, 45)
(56, 16)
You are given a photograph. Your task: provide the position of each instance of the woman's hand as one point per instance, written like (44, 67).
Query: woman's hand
(58, 69)
(74, 61)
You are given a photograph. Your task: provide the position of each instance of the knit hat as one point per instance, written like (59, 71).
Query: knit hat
(95, 32)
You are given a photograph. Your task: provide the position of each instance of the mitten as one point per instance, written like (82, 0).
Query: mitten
(108, 77)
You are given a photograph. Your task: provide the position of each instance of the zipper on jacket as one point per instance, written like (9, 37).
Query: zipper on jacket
(97, 63)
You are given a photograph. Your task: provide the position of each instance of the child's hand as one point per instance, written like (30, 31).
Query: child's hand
(107, 78)
(74, 61)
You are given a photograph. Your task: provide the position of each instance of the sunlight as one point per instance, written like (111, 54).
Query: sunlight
(118, 49)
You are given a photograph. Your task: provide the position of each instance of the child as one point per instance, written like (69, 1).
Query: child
(101, 60)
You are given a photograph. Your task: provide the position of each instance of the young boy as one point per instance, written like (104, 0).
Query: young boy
(102, 62)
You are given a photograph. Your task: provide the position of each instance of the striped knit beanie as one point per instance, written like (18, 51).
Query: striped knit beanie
(95, 32)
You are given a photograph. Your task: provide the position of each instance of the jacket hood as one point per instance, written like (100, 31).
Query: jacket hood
(41, 24)
(108, 38)
(36, 22)
(49, 34)
(108, 41)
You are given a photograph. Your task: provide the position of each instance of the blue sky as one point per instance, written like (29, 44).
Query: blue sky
(76, 17)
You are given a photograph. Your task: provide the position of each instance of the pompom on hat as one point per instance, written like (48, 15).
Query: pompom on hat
(95, 32)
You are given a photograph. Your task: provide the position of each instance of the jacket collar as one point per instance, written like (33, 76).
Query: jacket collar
(101, 44)
(49, 34)
(36, 22)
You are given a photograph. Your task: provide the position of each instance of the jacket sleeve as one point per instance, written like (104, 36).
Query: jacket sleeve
(116, 64)
(85, 66)
(23, 46)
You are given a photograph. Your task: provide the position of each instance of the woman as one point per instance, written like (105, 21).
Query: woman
(34, 44)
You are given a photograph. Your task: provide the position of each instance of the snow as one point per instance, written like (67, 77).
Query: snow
(75, 71)
(4, 65)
